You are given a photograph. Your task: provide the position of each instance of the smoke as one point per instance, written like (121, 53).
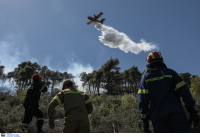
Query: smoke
(13, 51)
(114, 39)
(76, 69)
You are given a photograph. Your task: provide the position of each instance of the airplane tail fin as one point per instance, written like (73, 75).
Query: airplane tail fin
(102, 20)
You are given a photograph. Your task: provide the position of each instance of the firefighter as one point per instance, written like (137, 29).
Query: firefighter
(77, 106)
(31, 103)
(162, 88)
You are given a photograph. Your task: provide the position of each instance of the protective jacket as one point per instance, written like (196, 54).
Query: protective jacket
(33, 94)
(77, 105)
(163, 87)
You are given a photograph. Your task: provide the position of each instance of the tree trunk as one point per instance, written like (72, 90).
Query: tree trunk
(111, 88)
(108, 87)
(125, 86)
(128, 88)
(89, 88)
(121, 88)
(89, 85)
(98, 87)
(132, 89)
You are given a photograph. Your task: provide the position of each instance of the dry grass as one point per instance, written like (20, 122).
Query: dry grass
(111, 114)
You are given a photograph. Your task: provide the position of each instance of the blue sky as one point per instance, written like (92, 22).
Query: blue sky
(55, 33)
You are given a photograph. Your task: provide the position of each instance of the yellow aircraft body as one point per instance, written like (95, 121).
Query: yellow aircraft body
(95, 19)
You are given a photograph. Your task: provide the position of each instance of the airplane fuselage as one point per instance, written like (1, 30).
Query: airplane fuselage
(91, 18)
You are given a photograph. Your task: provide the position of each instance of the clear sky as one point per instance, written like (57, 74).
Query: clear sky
(55, 33)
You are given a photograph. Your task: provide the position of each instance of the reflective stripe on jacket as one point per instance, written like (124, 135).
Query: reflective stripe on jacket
(163, 89)
(77, 105)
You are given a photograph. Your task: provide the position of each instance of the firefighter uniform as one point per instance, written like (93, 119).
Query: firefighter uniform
(163, 88)
(31, 105)
(77, 106)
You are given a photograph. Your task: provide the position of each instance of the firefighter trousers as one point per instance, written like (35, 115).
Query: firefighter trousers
(173, 123)
(29, 113)
(76, 127)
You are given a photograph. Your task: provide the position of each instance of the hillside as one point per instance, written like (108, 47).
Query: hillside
(111, 114)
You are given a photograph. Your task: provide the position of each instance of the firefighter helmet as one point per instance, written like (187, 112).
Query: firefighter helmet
(154, 57)
(36, 76)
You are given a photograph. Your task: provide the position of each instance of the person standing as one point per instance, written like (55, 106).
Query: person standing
(31, 103)
(77, 106)
(163, 87)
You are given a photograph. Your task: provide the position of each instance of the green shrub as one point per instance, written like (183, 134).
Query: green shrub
(59, 112)
(104, 109)
(111, 113)
(95, 118)
(118, 114)
(14, 101)
(2, 98)
(117, 100)
(22, 95)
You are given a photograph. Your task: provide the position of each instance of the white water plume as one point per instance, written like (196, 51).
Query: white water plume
(114, 39)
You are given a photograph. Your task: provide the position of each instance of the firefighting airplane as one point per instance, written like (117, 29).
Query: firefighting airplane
(95, 18)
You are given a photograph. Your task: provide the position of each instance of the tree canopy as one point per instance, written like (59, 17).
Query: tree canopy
(108, 77)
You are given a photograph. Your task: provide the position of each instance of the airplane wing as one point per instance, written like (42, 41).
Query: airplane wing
(89, 22)
(99, 15)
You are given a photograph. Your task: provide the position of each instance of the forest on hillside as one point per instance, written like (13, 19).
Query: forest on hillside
(115, 111)
(107, 77)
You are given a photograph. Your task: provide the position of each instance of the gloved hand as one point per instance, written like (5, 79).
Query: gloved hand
(194, 117)
(145, 124)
